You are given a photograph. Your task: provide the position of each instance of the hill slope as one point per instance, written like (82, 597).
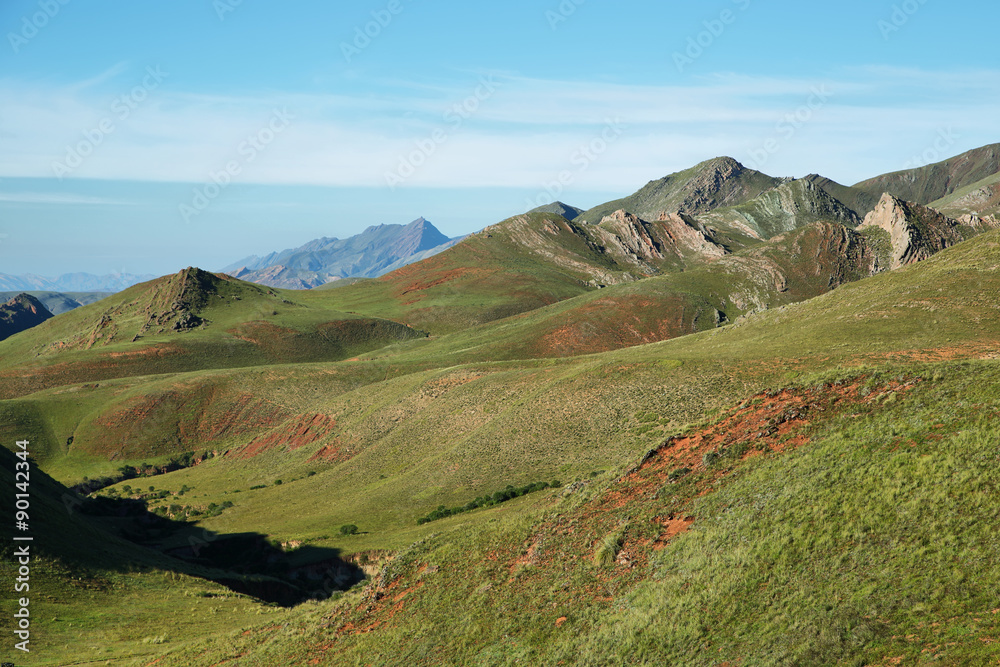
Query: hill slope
(190, 320)
(711, 184)
(927, 184)
(20, 314)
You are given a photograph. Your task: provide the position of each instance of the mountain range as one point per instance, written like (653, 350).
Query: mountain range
(72, 282)
(731, 419)
(375, 251)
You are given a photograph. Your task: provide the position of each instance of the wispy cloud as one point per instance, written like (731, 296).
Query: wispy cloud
(59, 198)
(523, 135)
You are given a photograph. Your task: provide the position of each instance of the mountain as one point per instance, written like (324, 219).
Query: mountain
(72, 282)
(782, 209)
(373, 252)
(914, 232)
(20, 314)
(712, 184)
(859, 201)
(559, 208)
(61, 302)
(759, 434)
(981, 199)
(932, 182)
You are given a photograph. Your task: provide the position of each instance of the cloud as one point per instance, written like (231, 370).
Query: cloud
(523, 133)
(59, 198)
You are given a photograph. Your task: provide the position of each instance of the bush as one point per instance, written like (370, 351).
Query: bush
(349, 529)
(607, 550)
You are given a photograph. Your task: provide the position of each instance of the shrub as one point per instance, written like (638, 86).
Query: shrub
(607, 550)
(349, 529)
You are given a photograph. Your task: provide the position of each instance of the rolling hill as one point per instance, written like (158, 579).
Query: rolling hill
(762, 433)
(190, 320)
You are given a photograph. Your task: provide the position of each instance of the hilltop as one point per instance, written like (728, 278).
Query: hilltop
(21, 313)
(924, 185)
(711, 184)
(190, 320)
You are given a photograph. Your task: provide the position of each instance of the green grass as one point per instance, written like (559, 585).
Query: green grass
(431, 422)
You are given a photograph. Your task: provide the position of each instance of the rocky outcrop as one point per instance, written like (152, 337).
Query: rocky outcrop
(915, 232)
(686, 233)
(980, 224)
(20, 314)
(674, 239)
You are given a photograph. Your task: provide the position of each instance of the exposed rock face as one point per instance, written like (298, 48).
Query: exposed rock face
(980, 224)
(673, 238)
(915, 232)
(20, 314)
(628, 234)
(789, 206)
(688, 233)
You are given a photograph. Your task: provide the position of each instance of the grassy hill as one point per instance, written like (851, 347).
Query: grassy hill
(712, 184)
(982, 198)
(191, 320)
(932, 182)
(830, 416)
(653, 440)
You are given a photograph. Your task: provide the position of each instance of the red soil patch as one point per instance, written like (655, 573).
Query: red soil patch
(611, 324)
(190, 415)
(671, 528)
(293, 434)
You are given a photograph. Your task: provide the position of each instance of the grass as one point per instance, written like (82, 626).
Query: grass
(812, 544)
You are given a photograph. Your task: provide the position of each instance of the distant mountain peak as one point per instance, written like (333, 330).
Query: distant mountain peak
(373, 252)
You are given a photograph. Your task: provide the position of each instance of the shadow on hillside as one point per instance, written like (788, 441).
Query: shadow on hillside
(245, 563)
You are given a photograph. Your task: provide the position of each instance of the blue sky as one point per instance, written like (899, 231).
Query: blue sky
(145, 137)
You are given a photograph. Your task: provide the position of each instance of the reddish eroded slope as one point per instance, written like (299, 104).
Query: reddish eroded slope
(180, 418)
(295, 433)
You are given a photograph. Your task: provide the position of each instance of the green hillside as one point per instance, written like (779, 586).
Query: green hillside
(850, 389)
(924, 185)
(191, 320)
(712, 184)
(982, 198)
(761, 434)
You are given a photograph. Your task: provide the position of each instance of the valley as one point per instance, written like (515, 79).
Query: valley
(752, 418)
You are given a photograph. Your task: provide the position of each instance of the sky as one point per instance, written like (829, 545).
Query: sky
(144, 137)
